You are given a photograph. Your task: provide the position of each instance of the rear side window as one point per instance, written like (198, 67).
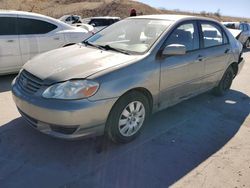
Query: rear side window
(187, 35)
(27, 26)
(100, 22)
(212, 35)
(8, 26)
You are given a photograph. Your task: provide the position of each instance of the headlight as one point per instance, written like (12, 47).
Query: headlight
(73, 89)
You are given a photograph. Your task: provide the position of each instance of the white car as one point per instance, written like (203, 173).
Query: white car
(88, 27)
(24, 35)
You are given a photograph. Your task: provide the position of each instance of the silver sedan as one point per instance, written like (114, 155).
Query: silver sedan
(112, 82)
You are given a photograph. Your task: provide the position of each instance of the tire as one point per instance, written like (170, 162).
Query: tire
(225, 83)
(124, 125)
(247, 44)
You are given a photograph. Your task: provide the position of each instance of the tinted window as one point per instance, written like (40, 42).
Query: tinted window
(212, 35)
(75, 18)
(186, 35)
(100, 22)
(231, 26)
(8, 26)
(31, 26)
(68, 19)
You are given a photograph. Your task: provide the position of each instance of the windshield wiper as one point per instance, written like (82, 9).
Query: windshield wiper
(105, 47)
(108, 47)
(91, 44)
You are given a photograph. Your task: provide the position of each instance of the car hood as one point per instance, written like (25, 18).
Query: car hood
(75, 61)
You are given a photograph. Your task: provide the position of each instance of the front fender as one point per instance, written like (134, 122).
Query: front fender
(142, 74)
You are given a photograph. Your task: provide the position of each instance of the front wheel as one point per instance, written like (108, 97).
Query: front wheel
(127, 117)
(225, 82)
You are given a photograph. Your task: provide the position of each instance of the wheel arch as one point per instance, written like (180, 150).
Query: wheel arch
(235, 68)
(70, 44)
(109, 131)
(143, 91)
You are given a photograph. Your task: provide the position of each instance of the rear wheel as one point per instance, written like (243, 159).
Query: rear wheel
(247, 45)
(225, 82)
(128, 117)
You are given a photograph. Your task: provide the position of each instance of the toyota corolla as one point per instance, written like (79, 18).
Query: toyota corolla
(112, 82)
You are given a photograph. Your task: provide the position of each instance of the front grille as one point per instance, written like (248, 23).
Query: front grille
(28, 82)
(63, 130)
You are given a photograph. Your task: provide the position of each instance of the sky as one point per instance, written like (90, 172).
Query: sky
(240, 8)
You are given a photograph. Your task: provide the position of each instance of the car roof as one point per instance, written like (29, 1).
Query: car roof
(22, 13)
(171, 17)
(35, 15)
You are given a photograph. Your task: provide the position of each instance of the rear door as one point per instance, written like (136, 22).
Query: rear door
(181, 74)
(216, 52)
(37, 36)
(9, 44)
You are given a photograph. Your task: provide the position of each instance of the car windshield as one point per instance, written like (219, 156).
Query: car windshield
(131, 35)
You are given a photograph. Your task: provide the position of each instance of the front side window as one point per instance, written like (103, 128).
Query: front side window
(187, 35)
(212, 35)
(8, 26)
(27, 26)
(132, 35)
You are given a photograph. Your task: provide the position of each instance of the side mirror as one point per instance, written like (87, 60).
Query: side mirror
(174, 49)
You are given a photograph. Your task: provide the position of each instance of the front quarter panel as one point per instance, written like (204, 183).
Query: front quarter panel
(114, 83)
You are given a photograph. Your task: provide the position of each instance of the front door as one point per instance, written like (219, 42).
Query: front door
(180, 74)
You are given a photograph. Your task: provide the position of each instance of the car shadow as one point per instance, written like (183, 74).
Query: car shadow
(5, 82)
(173, 143)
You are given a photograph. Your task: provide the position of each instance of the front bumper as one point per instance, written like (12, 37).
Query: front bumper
(67, 119)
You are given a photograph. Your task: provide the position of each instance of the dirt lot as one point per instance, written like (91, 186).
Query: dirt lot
(203, 142)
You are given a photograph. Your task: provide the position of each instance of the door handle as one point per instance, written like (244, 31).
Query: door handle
(226, 51)
(10, 40)
(200, 58)
(56, 38)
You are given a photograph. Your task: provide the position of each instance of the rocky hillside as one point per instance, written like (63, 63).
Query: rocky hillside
(87, 8)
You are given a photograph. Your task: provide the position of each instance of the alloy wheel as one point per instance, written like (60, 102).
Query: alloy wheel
(131, 118)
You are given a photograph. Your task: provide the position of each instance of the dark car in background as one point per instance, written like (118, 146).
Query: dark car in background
(244, 37)
(100, 23)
